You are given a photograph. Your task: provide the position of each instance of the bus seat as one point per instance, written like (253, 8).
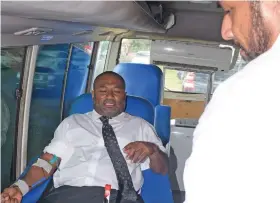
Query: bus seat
(134, 106)
(142, 80)
(156, 187)
(162, 122)
(146, 81)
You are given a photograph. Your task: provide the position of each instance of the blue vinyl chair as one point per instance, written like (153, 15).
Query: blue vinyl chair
(146, 81)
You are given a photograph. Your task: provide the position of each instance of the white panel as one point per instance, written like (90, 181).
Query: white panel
(192, 54)
(180, 150)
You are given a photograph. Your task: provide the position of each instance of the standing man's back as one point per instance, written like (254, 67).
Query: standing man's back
(236, 151)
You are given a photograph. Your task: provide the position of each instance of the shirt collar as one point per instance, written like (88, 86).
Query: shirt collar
(120, 117)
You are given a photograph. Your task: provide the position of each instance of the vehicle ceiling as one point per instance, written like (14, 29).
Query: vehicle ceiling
(108, 20)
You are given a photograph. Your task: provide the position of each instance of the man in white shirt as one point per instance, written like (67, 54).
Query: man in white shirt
(236, 146)
(105, 146)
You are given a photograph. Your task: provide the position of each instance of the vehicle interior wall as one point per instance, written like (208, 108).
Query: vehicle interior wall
(65, 32)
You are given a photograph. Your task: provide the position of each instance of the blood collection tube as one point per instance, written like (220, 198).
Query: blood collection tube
(107, 193)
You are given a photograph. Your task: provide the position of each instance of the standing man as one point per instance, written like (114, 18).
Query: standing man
(236, 149)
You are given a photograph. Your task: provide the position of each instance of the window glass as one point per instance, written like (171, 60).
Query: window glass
(101, 58)
(77, 73)
(185, 81)
(45, 110)
(46, 96)
(12, 63)
(196, 82)
(135, 51)
(222, 76)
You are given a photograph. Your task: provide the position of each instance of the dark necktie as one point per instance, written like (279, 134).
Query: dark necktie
(118, 160)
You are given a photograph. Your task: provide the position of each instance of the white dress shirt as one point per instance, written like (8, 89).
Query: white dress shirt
(78, 141)
(236, 147)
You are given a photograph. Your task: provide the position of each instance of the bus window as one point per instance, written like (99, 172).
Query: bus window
(186, 81)
(12, 63)
(78, 73)
(46, 93)
(185, 92)
(135, 51)
(48, 86)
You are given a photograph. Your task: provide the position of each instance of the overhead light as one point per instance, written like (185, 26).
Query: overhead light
(83, 32)
(33, 31)
(169, 49)
(200, 1)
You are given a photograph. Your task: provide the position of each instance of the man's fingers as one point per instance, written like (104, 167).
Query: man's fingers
(7, 200)
(130, 153)
(7, 194)
(129, 146)
(4, 194)
(10, 195)
(143, 157)
(4, 197)
(136, 155)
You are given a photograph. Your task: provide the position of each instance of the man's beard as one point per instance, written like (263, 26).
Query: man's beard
(259, 37)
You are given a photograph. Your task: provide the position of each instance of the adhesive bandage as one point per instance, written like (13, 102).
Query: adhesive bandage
(43, 164)
(22, 185)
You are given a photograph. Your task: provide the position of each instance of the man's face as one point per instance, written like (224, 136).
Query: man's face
(245, 23)
(109, 96)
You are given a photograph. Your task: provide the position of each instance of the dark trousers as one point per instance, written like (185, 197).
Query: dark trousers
(93, 194)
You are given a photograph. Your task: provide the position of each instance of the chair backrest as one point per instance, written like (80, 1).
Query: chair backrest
(162, 122)
(146, 81)
(142, 80)
(135, 106)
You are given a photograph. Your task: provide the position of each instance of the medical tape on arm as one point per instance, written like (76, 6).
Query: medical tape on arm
(22, 185)
(43, 164)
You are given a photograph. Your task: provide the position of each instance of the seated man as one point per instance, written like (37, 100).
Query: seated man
(105, 146)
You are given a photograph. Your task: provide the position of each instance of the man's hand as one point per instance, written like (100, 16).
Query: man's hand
(139, 151)
(11, 195)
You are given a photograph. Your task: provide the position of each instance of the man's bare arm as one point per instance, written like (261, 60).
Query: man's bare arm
(36, 173)
(33, 176)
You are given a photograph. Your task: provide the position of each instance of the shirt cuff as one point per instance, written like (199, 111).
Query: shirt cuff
(146, 164)
(61, 150)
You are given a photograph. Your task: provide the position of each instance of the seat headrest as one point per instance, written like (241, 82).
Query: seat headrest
(135, 106)
(142, 80)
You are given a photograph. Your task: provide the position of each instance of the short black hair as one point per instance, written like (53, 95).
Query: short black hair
(110, 73)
